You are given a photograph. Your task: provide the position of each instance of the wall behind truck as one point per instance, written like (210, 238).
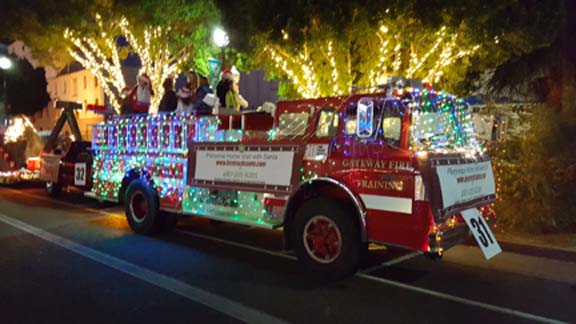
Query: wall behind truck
(256, 89)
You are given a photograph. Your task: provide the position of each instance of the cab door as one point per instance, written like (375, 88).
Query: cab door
(371, 158)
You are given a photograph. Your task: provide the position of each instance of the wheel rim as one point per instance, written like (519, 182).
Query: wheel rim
(138, 207)
(322, 239)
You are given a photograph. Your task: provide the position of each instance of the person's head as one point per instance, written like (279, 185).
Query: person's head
(144, 80)
(168, 84)
(226, 75)
(203, 81)
(184, 94)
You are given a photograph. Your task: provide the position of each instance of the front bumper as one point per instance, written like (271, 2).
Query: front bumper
(446, 235)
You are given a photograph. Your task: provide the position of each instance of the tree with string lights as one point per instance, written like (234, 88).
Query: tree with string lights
(327, 64)
(102, 55)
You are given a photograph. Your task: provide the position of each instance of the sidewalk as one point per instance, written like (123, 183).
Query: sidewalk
(552, 246)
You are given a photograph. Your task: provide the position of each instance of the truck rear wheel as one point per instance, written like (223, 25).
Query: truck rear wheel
(325, 237)
(53, 188)
(142, 208)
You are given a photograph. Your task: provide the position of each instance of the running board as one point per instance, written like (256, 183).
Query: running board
(238, 220)
(92, 195)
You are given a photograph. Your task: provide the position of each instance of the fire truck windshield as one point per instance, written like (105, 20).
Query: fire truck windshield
(375, 117)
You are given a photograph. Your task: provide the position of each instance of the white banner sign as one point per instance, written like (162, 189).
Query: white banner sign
(461, 183)
(261, 167)
(482, 233)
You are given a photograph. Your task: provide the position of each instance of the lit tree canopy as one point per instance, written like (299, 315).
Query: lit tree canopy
(449, 42)
(328, 63)
(190, 25)
(102, 55)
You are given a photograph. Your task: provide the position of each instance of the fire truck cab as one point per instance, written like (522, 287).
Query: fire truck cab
(334, 173)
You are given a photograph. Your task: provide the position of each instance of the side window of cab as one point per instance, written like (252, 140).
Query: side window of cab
(392, 122)
(328, 121)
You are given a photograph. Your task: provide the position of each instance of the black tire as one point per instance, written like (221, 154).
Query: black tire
(337, 216)
(53, 188)
(142, 208)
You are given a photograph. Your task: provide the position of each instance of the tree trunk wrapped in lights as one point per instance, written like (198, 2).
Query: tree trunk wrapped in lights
(102, 55)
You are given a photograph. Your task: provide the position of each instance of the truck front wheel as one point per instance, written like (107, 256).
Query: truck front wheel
(325, 237)
(142, 208)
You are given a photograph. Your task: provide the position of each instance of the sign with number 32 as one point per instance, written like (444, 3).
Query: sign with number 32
(80, 174)
(482, 233)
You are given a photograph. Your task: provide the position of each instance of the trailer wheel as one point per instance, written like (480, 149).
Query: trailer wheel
(142, 208)
(325, 238)
(53, 188)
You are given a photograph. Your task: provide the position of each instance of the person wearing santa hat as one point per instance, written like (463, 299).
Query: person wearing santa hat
(142, 94)
(184, 100)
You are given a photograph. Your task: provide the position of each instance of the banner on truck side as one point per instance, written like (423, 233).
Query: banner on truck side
(243, 167)
(461, 183)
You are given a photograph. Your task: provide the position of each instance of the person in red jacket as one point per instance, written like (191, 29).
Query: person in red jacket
(142, 94)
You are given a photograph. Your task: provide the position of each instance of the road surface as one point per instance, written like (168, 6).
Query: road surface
(74, 260)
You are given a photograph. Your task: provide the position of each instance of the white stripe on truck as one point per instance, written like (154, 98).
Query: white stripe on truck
(387, 203)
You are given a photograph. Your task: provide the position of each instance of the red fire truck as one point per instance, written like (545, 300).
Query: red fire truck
(334, 173)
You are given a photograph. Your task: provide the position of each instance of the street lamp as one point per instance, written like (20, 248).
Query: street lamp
(220, 38)
(5, 64)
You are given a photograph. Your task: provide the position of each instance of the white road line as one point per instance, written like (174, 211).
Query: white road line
(494, 308)
(392, 262)
(363, 275)
(223, 305)
(240, 245)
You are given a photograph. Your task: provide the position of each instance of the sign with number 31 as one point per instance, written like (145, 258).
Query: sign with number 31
(481, 230)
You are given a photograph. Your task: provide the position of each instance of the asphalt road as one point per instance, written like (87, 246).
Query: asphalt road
(73, 260)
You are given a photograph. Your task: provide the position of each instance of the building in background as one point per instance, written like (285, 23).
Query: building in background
(72, 84)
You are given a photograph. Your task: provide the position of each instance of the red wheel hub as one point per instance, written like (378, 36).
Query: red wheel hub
(139, 207)
(322, 239)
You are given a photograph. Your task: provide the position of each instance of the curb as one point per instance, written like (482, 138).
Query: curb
(549, 252)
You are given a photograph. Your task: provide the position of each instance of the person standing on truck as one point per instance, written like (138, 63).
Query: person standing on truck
(234, 99)
(126, 101)
(200, 106)
(223, 87)
(192, 82)
(184, 100)
(169, 100)
(142, 94)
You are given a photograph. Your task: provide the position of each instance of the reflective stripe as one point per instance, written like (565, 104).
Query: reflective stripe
(388, 203)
